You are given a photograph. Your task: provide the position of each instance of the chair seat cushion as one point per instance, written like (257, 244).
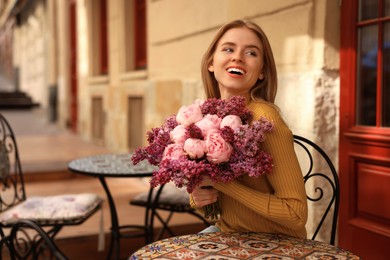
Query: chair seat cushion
(171, 198)
(50, 209)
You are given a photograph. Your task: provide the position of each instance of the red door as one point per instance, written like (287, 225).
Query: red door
(364, 170)
(73, 66)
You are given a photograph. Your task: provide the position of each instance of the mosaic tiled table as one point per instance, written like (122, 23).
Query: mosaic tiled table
(240, 246)
(114, 165)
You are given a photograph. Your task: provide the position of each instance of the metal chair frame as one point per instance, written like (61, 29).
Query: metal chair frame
(153, 205)
(12, 183)
(27, 240)
(319, 191)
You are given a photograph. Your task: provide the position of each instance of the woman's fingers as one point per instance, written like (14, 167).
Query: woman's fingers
(206, 182)
(203, 197)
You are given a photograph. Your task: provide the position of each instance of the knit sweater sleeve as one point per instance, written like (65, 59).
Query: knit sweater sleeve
(285, 203)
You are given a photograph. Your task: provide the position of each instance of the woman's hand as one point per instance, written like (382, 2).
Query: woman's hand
(204, 193)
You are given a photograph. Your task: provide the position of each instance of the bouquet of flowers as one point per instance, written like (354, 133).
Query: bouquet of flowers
(212, 137)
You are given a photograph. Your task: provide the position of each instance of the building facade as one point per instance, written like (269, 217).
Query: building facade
(86, 56)
(111, 70)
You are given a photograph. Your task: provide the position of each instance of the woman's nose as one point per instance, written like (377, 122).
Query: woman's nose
(237, 56)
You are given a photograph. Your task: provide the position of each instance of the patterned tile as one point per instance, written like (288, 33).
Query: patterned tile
(227, 246)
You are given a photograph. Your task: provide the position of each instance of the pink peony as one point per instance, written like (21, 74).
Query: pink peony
(189, 114)
(195, 148)
(178, 134)
(208, 123)
(199, 102)
(232, 121)
(173, 152)
(217, 149)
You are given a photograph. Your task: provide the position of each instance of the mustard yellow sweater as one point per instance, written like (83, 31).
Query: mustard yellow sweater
(274, 203)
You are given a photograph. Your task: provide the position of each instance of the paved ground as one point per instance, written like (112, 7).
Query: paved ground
(42, 145)
(31, 122)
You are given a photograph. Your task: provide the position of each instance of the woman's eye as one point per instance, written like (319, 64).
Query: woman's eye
(252, 53)
(228, 49)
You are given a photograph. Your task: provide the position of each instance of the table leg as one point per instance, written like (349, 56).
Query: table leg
(149, 217)
(115, 233)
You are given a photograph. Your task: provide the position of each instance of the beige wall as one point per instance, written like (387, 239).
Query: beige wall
(304, 35)
(30, 56)
(62, 60)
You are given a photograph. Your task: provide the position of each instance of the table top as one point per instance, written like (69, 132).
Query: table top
(240, 246)
(111, 165)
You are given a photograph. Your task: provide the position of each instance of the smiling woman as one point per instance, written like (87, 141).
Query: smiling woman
(238, 52)
(239, 62)
(243, 42)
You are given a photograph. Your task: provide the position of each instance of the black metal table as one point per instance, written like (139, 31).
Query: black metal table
(120, 166)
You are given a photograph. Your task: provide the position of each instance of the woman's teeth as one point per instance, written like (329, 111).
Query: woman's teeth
(235, 71)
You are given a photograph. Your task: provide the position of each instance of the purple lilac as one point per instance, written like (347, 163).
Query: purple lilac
(194, 131)
(236, 106)
(211, 106)
(183, 172)
(227, 134)
(171, 122)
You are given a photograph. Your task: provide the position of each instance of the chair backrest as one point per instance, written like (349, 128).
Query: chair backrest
(11, 177)
(322, 189)
(27, 240)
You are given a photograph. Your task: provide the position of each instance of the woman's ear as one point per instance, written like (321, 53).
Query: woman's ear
(261, 77)
(211, 67)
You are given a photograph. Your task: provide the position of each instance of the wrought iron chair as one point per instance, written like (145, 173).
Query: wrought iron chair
(320, 177)
(166, 198)
(50, 212)
(322, 188)
(27, 240)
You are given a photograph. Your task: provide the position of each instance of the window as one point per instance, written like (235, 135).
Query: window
(135, 34)
(99, 38)
(373, 64)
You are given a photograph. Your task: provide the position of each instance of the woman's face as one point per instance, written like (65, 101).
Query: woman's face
(237, 62)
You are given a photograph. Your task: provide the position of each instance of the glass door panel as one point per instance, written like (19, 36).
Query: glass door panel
(387, 8)
(367, 75)
(368, 9)
(386, 77)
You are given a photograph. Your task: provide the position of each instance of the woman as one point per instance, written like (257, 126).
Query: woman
(239, 61)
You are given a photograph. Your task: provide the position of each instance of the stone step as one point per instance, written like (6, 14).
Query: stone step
(16, 100)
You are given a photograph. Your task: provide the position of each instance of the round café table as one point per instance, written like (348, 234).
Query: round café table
(120, 166)
(240, 246)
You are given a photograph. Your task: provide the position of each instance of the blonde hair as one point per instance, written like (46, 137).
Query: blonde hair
(264, 89)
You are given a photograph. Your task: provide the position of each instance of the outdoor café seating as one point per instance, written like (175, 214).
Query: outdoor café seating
(319, 174)
(51, 213)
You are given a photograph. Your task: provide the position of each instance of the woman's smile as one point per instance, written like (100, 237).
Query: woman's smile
(236, 71)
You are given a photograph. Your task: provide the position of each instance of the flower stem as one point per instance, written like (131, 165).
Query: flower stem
(212, 211)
